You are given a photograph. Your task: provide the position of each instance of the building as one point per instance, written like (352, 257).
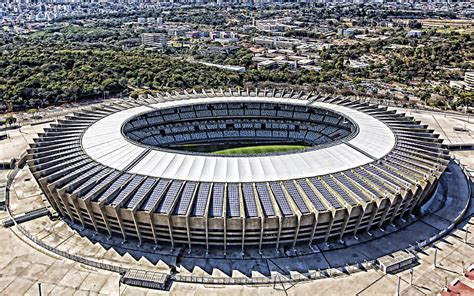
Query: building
(129, 169)
(271, 26)
(3, 195)
(222, 35)
(312, 68)
(350, 32)
(357, 64)
(414, 33)
(467, 84)
(285, 43)
(151, 20)
(226, 40)
(154, 39)
(469, 80)
(239, 69)
(264, 41)
(305, 62)
(266, 64)
(192, 34)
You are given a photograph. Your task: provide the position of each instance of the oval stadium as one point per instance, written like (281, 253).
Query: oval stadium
(245, 169)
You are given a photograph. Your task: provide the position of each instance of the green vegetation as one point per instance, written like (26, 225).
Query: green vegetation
(84, 59)
(401, 59)
(76, 33)
(260, 149)
(240, 57)
(10, 120)
(211, 17)
(34, 77)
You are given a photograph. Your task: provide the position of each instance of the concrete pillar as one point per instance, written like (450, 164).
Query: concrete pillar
(356, 227)
(331, 222)
(397, 206)
(298, 218)
(49, 196)
(91, 214)
(207, 233)
(137, 227)
(120, 222)
(375, 210)
(66, 205)
(57, 202)
(170, 229)
(188, 233)
(243, 235)
(78, 209)
(279, 232)
(385, 212)
(153, 230)
(418, 195)
(206, 215)
(315, 224)
(261, 234)
(344, 224)
(225, 235)
(408, 202)
(106, 220)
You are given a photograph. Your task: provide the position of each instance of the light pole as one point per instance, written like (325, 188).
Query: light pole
(468, 116)
(465, 113)
(465, 234)
(398, 286)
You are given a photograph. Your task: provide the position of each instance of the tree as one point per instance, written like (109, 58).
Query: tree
(33, 112)
(10, 120)
(414, 24)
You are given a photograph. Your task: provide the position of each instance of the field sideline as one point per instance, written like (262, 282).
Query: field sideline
(260, 149)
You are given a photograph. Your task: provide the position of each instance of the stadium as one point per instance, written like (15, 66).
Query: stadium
(245, 169)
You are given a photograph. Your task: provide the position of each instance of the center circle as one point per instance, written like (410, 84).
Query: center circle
(239, 128)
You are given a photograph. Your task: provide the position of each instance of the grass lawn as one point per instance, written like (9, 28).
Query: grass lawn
(260, 149)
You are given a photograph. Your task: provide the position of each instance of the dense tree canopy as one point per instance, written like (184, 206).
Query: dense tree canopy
(75, 62)
(33, 77)
(36, 76)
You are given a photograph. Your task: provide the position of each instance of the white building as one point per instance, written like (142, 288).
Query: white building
(469, 80)
(154, 39)
(467, 84)
(414, 33)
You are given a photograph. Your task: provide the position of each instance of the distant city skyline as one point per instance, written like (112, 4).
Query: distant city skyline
(13, 11)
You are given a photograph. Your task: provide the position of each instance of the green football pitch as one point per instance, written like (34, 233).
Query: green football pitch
(260, 149)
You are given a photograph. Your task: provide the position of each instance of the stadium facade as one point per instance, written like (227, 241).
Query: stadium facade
(126, 168)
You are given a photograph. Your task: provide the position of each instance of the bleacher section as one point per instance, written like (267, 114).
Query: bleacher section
(238, 122)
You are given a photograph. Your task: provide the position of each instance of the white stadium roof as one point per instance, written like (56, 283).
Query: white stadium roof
(104, 142)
